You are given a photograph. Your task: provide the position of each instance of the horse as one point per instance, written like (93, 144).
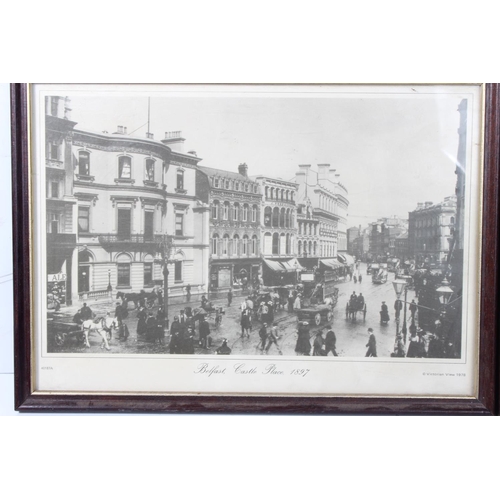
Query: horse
(101, 326)
(148, 297)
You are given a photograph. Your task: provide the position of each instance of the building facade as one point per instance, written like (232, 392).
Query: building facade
(234, 226)
(430, 231)
(132, 192)
(308, 239)
(278, 214)
(328, 197)
(352, 234)
(61, 208)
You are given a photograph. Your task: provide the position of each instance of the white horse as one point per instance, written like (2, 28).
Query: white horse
(101, 326)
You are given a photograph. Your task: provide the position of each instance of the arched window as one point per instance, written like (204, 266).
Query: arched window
(148, 271)
(236, 211)
(225, 244)
(271, 193)
(310, 248)
(276, 217)
(287, 217)
(292, 219)
(244, 214)
(255, 245)
(299, 249)
(225, 211)
(282, 191)
(124, 167)
(282, 217)
(267, 192)
(276, 244)
(215, 209)
(282, 243)
(254, 213)
(244, 245)
(215, 244)
(287, 250)
(236, 245)
(291, 195)
(315, 249)
(268, 244)
(83, 162)
(287, 194)
(267, 216)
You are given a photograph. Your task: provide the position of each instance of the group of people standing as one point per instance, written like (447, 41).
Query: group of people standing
(322, 345)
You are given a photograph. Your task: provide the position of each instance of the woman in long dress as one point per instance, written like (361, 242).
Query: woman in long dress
(141, 324)
(303, 345)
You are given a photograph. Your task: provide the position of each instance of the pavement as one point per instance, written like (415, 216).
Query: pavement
(352, 336)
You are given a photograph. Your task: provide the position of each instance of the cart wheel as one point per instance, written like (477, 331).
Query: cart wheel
(317, 319)
(59, 338)
(329, 316)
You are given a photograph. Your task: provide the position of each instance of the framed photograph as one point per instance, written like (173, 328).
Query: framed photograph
(308, 249)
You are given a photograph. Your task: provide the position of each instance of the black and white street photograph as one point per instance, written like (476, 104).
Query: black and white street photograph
(256, 222)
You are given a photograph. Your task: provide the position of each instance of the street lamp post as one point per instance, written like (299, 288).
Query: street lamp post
(399, 286)
(165, 249)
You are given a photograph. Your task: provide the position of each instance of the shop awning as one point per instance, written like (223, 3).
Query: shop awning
(331, 263)
(274, 266)
(347, 259)
(292, 265)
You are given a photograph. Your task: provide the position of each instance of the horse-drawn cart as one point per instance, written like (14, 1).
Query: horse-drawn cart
(352, 309)
(317, 313)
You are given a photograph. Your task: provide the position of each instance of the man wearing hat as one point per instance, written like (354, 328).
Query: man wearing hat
(372, 345)
(331, 343)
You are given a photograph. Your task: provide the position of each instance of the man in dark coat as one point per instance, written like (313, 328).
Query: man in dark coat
(331, 343)
(204, 333)
(175, 327)
(245, 323)
(263, 336)
(86, 312)
(398, 305)
(319, 344)
(175, 343)
(413, 308)
(188, 341)
(372, 345)
(229, 297)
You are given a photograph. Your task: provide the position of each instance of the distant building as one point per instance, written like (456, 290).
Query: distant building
(401, 246)
(352, 234)
(383, 236)
(430, 231)
(234, 229)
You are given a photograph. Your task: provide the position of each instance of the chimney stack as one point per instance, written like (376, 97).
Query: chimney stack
(243, 169)
(323, 171)
(121, 130)
(174, 140)
(150, 135)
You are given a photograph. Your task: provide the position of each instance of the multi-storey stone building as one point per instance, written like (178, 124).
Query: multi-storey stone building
(430, 231)
(131, 193)
(234, 226)
(328, 197)
(308, 239)
(60, 202)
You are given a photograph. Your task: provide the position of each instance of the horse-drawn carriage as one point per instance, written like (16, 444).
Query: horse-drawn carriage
(207, 311)
(143, 297)
(354, 306)
(380, 277)
(319, 312)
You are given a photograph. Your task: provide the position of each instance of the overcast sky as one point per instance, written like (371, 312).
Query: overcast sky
(391, 151)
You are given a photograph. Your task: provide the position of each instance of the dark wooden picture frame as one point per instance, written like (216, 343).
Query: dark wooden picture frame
(27, 400)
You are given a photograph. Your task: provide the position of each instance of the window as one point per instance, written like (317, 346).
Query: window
(148, 273)
(148, 225)
(227, 184)
(83, 219)
(225, 212)
(267, 216)
(271, 193)
(215, 210)
(149, 174)
(225, 244)
(244, 245)
(245, 213)
(276, 217)
(282, 217)
(236, 210)
(53, 150)
(54, 189)
(254, 213)
(54, 105)
(236, 245)
(54, 223)
(237, 186)
(179, 223)
(267, 192)
(276, 244)
(178, 270)
(216, 182)
(180, 179)
(84, 163)
(246, 188)
(123, 274)
(255, 245)
(255, 188)
(300, 248)
(124, 223)
(287, 250)
(215, 242)
(124, 167)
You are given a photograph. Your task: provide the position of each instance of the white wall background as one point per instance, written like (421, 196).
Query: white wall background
(224, 456)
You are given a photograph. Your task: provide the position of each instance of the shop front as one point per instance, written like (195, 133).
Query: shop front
(236, 275)
(281, 272)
